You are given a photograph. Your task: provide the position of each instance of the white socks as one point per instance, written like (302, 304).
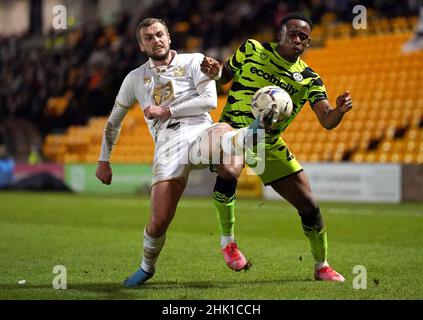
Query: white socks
(152, 248)
(225, 240)
(320, 265)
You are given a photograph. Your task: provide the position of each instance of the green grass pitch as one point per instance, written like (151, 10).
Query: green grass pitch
(98, 239)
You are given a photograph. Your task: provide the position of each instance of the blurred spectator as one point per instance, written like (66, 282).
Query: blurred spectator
(416, 43)
(34, 155)
(7, 165)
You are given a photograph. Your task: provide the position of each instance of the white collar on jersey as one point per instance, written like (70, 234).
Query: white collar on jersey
(172, 62)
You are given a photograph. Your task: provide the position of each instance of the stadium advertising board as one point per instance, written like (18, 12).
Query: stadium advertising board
(127, 178)
(352, 182)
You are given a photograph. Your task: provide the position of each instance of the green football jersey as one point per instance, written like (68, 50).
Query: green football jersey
(258, 64)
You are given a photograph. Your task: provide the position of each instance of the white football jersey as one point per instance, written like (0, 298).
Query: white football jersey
(166, 86)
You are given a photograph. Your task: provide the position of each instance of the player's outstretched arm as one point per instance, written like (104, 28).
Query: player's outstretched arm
(328, 117)
(213, 69)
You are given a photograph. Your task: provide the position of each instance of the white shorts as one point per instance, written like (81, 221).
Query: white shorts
(174, 149)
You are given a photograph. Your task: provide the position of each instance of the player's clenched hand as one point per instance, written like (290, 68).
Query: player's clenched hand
(210, 67)
(344, 102)
(155, 112)
(104, 172)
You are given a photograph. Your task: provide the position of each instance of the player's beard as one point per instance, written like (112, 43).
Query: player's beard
(160, 57)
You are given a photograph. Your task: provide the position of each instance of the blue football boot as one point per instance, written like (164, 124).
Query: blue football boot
(139, 277)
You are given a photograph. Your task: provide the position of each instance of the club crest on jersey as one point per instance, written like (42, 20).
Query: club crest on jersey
(179, 71)
(162, 93)
(297, 76)
(147, 80)
(264, 56)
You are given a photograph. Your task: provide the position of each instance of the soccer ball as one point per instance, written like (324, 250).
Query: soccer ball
(272, 94)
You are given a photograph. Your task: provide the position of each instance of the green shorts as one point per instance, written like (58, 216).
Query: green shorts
(278, 163)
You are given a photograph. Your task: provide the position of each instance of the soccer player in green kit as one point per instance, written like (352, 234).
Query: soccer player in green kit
(255, 65)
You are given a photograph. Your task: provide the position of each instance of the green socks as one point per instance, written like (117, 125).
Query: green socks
(318, 242)
(224, 199)
(314, 230)
(225, 208)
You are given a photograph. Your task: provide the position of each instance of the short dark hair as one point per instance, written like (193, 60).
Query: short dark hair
(148, 22)
(296, 16)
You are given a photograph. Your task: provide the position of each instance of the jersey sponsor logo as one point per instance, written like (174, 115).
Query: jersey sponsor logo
(297, 76)
(163, 93)
(271, 78)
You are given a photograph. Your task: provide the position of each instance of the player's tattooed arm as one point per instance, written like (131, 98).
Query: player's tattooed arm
(110, 136)
(112, 131)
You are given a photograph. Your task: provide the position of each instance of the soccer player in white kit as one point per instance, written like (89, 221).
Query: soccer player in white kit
(176, 98)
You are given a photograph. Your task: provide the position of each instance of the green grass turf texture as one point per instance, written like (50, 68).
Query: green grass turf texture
(98, 239)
